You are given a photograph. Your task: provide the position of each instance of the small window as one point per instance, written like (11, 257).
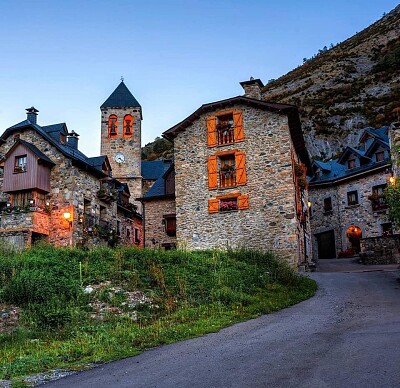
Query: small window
(228, 204)
(387, 229)
(378, 197)
(137, 236)
(118, 228)
(352, 198)
(351, 163)
(128, 123)
(380, 156)
(227, 169)
(327, 205)
(225, 128)
(63, 138)
(170, 224)
(112, 126)
(20, 164)
(225, 132)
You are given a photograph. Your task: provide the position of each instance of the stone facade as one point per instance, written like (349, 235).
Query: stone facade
(154, 226)
(73, 190)
(343, 216)
(270, 221)
(128, 170)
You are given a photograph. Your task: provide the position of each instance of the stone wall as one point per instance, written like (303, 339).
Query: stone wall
(154, 227)
(271, 221)
(130, 170)
(342, 216)
(380, 250)
(74, 190)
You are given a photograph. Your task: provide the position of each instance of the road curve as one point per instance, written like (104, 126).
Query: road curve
(348, 335)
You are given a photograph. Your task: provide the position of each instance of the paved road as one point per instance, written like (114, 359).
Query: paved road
(348, 335)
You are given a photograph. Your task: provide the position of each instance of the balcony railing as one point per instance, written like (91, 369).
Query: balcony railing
(227, 178)
(225, 134)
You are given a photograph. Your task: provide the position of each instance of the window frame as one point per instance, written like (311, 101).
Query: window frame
(168, 220)
(357, 200)
(20, 167)
(125, 133)
(112, 119)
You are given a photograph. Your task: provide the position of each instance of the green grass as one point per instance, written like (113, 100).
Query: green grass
(192, 293)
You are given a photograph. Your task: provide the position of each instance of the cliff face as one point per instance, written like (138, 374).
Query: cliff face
(353, 85)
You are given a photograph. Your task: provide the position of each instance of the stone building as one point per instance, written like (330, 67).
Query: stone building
(121, 117)
(159, 211)
(235, 179)
(51, 191)
(347, 196)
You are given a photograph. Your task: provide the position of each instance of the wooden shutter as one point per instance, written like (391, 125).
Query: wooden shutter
(213, 205)
(240, 161)
(243, 201)
(212, 173)
(238, 125)
(211, 131)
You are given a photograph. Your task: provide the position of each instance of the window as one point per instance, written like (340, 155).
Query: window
(118, 228)
(20, 164)
(380, 156)
(225, 128)
(112, 126)
(378, 197)
(227, 169)
(387, 229)
(137, 236)
(169, 221)
(327, 205)
(351, 163)
(352, 198)
(63, 138)
(230, 202)
(28, 198)
(128, 123)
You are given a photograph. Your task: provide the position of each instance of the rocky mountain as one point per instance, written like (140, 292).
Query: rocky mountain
(350, 86)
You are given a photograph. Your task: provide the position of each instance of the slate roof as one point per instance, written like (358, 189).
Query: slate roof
(48, 133)
(35, 150)
(336, 169)
(152, 170)
(158, 188)
(121, 97)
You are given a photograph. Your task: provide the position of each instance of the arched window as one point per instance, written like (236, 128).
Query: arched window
(112, 126)
(128, 123)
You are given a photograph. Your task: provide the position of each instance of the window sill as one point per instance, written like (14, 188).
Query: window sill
(229, 211)
(18, 172)
(328, 212)
(352, 206)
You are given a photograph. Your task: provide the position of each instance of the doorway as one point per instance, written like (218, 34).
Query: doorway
(326, 245)
(354, 234)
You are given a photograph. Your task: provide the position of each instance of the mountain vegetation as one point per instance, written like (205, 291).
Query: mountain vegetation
(352, 85)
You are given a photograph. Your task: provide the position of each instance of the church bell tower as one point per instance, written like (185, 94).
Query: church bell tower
(121, 117)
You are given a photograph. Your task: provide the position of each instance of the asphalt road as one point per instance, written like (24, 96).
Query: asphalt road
(348, 335)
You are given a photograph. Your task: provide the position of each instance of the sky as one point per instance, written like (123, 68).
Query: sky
(66, 57)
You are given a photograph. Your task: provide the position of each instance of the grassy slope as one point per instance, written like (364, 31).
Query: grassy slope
(192, 293)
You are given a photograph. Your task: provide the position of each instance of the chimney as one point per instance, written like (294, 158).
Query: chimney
(72, 141)
(252, 88)
(32, 114)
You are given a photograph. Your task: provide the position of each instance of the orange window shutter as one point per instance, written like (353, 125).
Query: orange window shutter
(238, 125)
(243, 201)
(213, 205)
(212, 173)
(240, 160)
(211, 132)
